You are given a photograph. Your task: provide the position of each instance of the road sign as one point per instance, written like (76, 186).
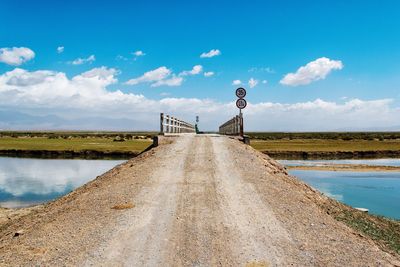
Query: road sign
(240, 92)
(241, 103)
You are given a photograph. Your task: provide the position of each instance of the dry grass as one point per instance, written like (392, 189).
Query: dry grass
(123, 206)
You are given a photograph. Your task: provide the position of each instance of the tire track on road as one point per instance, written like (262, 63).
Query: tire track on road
(199, 234)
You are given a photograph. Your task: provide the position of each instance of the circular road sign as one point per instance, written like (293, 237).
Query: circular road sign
(241, 103)
(240, 92)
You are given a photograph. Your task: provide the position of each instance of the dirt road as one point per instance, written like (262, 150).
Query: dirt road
(197, 201)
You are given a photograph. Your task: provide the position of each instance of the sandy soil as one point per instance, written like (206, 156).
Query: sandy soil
(198, 201)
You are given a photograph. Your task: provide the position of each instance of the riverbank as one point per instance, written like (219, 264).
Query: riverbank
(383, 231)
(328, 149)
(312, 155)
(346, 167)
(69, 154)
(91, 147)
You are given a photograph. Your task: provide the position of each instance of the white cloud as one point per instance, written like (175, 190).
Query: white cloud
(49, 88)
(60, 49)
(173, 81)
(208, 73)
(80, 61)
(320, 115)
(16, 56)
(236, 82)
(264, 81)
(156, 75)
(261, 69)
(119, 57)
(139, 53)
(253, 82)
(50, 99)
(313, 71)
(211, 53)
(163, 76)
(197, 69)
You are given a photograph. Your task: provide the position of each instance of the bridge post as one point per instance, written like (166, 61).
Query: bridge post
(167, 123)
(161, 123)
(176, 125)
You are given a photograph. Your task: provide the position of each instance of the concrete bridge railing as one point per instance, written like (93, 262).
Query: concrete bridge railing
(233, 126)
(169, 124)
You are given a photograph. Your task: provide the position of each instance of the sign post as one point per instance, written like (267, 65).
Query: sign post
(241, 103)
(196, 125)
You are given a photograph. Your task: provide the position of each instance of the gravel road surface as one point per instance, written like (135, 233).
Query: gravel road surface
(197, 200)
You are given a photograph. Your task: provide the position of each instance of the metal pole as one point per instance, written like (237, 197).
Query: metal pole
(241, 122)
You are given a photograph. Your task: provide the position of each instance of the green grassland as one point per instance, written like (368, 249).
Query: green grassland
(75, 141)
(73, 144)
(77, 134)
(325, 141)
(138, 141)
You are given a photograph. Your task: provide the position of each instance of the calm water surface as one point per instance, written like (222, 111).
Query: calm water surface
(377, 191)
(26, 182)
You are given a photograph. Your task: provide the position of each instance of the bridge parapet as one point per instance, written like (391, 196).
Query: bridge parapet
(233, 126)
(169, 124)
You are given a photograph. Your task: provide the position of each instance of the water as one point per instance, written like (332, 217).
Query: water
(377, 191)
(25, 182)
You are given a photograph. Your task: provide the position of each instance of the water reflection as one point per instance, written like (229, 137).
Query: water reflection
(24, 182)
(377, 191)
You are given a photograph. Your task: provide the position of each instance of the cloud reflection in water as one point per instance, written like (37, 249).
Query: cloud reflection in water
(24, 182)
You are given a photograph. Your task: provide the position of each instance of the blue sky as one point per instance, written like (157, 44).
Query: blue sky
(262, 40)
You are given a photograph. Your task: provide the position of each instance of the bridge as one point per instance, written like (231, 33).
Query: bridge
(194, 200)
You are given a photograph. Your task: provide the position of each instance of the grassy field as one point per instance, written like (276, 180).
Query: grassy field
(138, 141)
(74, 144)
(77, 134)
(325, 145)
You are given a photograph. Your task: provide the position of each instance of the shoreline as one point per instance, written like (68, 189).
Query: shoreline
(331, 155)
(275, 154)
(68, 154)
(346, 167)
